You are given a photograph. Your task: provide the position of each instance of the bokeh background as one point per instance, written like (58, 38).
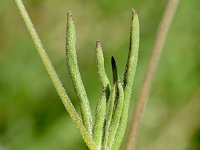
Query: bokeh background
(32, 116)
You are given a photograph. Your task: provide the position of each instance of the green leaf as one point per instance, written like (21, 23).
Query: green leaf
(75, 73)
(100, 114)
(101, 70)
(116, 115)
(109, 113)
(128, 78)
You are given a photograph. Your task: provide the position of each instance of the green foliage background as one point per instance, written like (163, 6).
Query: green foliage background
(31, 114)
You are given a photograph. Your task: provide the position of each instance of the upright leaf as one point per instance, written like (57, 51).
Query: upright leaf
(117, 114)
(128, 78)
(110, 110)
(101, 70)
(75, 73)
(100, 114)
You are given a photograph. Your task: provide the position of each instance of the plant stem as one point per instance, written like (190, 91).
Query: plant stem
(153, 63)
(54, 77)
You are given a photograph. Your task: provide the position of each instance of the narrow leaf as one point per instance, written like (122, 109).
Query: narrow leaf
(101, 70)
(110, 110)
(116, 115)
(99, 120)
(75, 74)
(129, 78)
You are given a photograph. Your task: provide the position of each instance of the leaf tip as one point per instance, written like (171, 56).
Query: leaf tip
(98, 44)
(69, 13)
(133, 13)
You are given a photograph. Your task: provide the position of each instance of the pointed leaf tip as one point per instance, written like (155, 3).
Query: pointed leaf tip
(98, 44)
(69, 13)
(133, 12)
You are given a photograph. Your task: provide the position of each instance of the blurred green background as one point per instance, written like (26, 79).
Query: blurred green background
(32, 116)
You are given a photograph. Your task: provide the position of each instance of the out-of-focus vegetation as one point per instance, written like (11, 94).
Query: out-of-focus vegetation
(31, 114)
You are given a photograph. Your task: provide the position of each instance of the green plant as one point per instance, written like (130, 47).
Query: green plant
(111, 116)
